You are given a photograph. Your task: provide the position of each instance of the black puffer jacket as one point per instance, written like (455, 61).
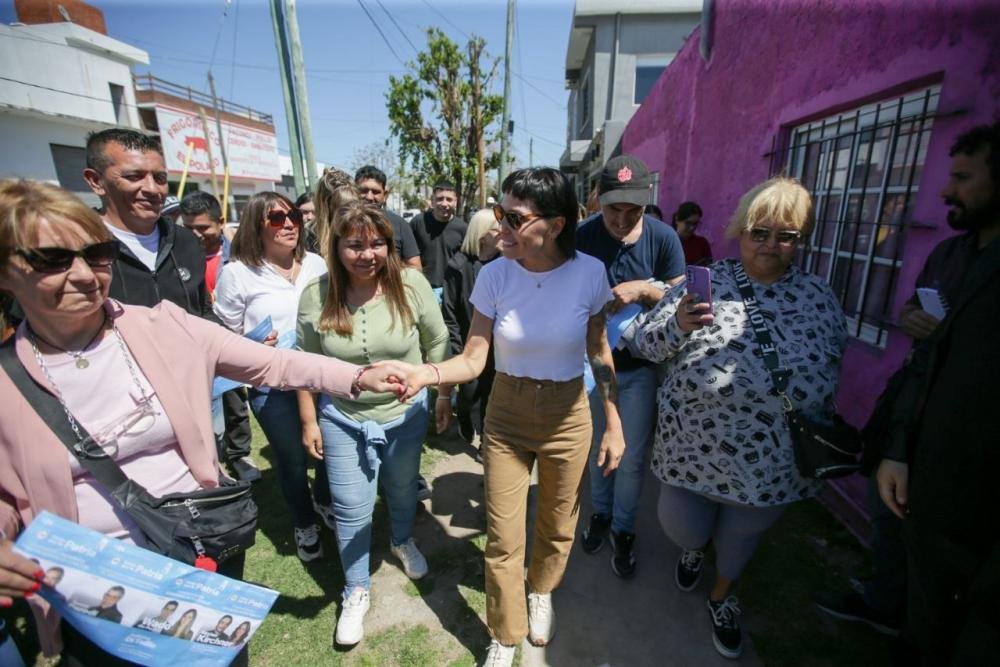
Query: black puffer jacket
(179, 276)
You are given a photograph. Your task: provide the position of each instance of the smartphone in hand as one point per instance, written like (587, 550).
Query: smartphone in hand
(699, 281)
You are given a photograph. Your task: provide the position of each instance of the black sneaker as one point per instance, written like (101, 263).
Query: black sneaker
(592, 539)
(726, 633)
(688, 572)
(852, 607)
(623, 558)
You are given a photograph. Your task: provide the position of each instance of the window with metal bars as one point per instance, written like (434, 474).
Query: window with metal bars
(863, 168)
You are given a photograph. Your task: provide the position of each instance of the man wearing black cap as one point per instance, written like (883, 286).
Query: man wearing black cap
(636, 250)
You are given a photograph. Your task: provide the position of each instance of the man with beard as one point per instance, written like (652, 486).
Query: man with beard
(938, 469)
(439, 233)
(972, 194)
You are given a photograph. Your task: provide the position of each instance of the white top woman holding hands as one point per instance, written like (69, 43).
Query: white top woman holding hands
(543, 303)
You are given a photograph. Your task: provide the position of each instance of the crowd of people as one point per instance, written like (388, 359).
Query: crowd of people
(375, 329)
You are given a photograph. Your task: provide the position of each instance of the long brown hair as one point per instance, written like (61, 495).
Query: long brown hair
(248, 244)
(366, 220)
(334, 189)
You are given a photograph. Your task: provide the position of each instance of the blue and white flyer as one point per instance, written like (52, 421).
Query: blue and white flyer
(139, 605)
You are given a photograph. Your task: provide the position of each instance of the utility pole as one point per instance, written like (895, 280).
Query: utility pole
(505, 124)
(288, 92)
(531, 152)
(301, 97)
(477, 140)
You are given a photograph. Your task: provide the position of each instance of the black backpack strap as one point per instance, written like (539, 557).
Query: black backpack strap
(769, 353)
(104, 469)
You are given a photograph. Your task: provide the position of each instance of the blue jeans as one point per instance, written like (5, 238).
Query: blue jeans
(357, 455)
(617, 495)
(278, 415)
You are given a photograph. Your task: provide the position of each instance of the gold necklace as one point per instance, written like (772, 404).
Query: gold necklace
(287, 274)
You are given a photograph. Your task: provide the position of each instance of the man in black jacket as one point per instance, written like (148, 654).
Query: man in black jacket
(159, 260)
(938, 473)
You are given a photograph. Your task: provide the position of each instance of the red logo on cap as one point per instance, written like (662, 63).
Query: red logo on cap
(624, 175)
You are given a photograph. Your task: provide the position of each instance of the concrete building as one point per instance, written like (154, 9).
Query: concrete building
(59, 82)
(859, 99)
(617, 50)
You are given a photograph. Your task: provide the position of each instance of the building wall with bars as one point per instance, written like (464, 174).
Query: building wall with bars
(715, 128)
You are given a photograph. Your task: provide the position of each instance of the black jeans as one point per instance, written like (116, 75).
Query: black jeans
(80, 651)
(885, 592)
(238, 436)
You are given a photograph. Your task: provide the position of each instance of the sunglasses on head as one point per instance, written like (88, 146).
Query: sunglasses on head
(277, 218)
(514, 220)
(783, 236)
(57, 260)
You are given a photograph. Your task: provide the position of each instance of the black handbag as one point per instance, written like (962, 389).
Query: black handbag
(200, 528)
(822, 450)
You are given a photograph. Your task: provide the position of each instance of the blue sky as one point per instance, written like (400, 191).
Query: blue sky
(347, 63)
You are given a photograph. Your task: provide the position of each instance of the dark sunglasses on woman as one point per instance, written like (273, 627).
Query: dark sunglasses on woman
(784, 236)
(514, 220)
(277, 218)
(57, 260)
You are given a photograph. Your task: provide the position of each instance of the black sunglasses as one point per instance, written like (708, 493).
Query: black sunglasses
(277, 218)
(515, 220)
(57, 260)
(784, 236)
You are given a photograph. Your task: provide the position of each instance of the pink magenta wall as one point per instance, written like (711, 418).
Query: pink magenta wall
(707, 127)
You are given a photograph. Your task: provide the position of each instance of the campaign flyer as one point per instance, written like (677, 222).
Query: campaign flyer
(139, 605)
(258, 334)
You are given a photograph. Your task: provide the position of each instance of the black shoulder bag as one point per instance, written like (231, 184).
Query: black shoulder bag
(200, 528)
(822, 451)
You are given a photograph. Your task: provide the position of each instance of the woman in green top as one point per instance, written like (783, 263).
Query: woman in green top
(366, 309)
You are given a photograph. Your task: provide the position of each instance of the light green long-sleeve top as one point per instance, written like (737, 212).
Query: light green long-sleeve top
(376, 337)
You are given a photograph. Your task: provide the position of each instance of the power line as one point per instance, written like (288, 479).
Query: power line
(446, 19)
(391, 18)
(541, 92)
(218, 33)
(382, 34)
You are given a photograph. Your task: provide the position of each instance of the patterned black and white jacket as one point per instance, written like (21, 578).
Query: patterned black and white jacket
(720, 430)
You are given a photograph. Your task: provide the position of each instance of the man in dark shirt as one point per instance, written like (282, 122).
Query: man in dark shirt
(108, 607)
(973, 210)
(636, 249)
(938, 474)
(439, 233)
(371, 184)
(159, 259)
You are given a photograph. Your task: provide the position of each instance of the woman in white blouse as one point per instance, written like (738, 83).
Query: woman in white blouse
(268, 269)
(543, 306)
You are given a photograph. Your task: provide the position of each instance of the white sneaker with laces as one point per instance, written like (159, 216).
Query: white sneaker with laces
(350, 625)
(326, 514)
(541, 618)
(498, 655)
(307, 543)
(246, 469)
(414, 563)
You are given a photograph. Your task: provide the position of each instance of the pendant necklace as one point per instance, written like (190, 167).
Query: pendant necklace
(287, 274)
(81, 361)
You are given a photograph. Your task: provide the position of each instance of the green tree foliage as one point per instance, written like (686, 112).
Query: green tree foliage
(442, 112)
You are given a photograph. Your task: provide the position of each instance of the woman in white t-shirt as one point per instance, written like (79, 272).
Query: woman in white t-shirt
(543, 305)
(268, 269)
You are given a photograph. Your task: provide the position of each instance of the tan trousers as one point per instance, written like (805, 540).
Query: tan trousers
(526, 421)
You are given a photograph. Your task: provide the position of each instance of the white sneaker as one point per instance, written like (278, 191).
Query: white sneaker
(414, 563)
(498, 655)
(541, 619)
(307, 543)
(350, 626)
(326, 514)
(246, 469)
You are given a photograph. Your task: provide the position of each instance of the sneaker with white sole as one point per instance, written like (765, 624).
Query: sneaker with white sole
(246, 469)
(350, 625)
(498, 655)
(726, 634)
(326, 514)
(307, 543)
(688, 572)
(541, 618)
(414, 563)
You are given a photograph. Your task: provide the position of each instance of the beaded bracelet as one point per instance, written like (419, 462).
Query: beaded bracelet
(356, 382)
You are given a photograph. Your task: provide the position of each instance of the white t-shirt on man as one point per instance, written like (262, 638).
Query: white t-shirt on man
(540, 319)
(143, 246)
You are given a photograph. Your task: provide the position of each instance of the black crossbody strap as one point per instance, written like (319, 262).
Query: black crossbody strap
(779, 375)
(104, 469)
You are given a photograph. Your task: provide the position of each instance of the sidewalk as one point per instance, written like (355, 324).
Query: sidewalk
(601, 619)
